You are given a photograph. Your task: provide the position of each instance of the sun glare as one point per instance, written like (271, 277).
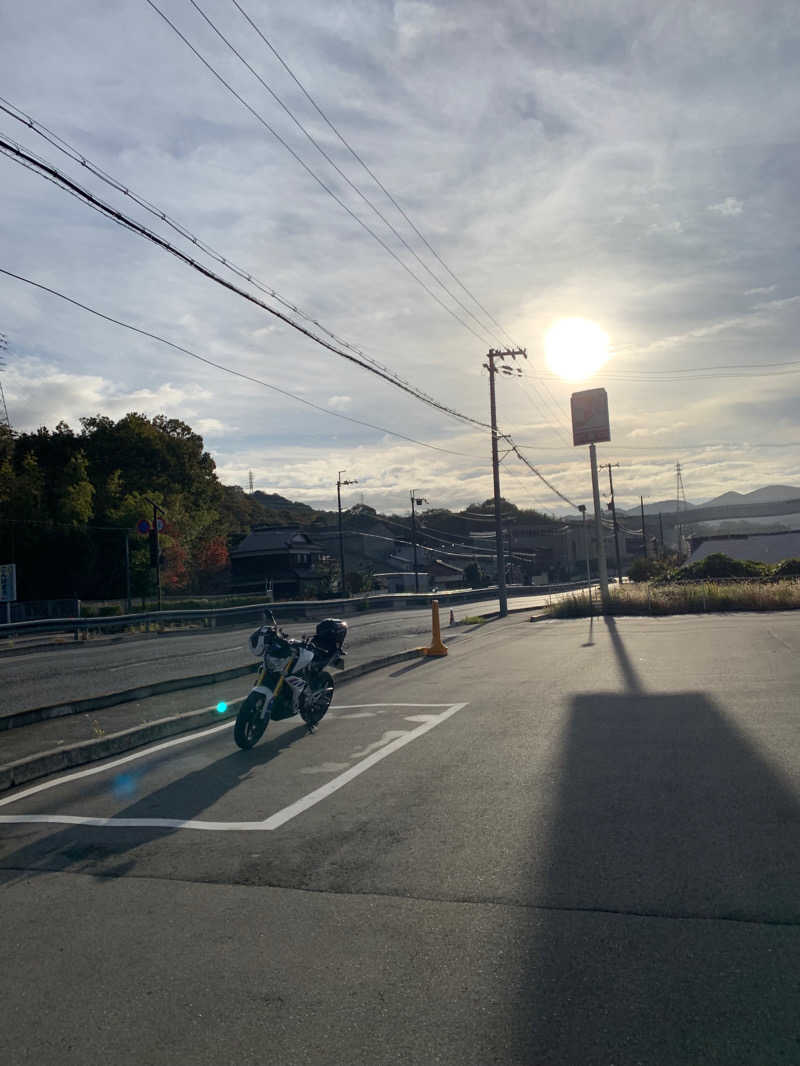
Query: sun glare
(575, 348)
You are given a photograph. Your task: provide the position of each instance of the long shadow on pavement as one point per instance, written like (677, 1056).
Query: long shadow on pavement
(82, 848)
(667, 928)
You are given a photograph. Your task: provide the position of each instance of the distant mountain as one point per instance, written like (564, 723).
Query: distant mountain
(768, 494)
(664, 506)
(273, 499)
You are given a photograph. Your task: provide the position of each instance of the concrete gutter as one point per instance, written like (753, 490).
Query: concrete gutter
(58, 759)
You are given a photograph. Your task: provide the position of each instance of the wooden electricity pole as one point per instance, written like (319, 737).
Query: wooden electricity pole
(491, 365)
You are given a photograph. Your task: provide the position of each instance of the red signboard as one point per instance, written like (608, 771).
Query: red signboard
(590, 416)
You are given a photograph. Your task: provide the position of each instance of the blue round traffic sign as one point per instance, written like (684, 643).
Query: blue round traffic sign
(142, 526)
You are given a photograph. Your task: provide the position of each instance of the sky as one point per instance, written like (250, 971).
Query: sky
(631, 164)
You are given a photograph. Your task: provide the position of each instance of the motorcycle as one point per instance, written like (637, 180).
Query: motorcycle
(292, 679)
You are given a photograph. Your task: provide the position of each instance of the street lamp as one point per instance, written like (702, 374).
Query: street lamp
(339, 484)
(582, 509)
(418, 500)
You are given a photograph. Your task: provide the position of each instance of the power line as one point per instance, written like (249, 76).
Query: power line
(53, 174)
(671, 447)
(78, 157)
(370, 172)
(225, 369)
(531, 467)
(481, 553)
(260, 118)
(699, 373)
(334, 164)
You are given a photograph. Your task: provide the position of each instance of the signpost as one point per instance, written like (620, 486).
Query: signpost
(8, 588)
(589, 425)
(590, 416)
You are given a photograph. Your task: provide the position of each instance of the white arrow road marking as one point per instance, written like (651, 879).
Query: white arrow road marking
(392, 734)
(274, 821)
(325, 768)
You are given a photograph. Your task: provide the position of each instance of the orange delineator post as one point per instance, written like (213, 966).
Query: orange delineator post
(437, 647)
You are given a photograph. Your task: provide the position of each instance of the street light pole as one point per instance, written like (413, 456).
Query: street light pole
(155, 548)
(339, 484)
(582, 509)
(418, 500)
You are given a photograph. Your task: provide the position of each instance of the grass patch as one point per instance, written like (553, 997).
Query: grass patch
(697, 598)
(473, 620)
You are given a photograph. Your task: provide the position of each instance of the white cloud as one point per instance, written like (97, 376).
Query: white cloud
(208, 426)
(729, 206)
(568, 178)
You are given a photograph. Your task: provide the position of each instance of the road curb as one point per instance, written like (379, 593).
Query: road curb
(112, 699)
(57, 759)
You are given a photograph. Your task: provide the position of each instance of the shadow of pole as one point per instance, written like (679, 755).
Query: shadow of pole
(665, 926)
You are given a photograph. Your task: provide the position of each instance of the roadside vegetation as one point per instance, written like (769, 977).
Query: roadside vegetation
(716, 583)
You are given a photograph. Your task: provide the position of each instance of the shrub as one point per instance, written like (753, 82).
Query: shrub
(661, 599)
(717, 565)
(788, 568)
(647, 569)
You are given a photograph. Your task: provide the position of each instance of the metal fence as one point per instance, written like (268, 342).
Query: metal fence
(313, 610)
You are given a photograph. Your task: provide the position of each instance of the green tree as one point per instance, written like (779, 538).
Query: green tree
(75, 492)
(474, 576)
(28, 496)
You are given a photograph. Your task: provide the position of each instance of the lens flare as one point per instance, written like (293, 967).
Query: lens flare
(222, 707)
(125, 785)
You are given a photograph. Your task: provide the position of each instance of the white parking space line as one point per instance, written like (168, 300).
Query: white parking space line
(102, 767)
(274, 821)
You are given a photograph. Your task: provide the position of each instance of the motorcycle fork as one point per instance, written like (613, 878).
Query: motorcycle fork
(286, 670)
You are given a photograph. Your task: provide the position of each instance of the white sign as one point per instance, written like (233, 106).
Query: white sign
(8, 582)
(590, 416)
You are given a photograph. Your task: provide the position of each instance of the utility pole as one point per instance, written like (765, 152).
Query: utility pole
(418, 500)
(661, 533)
(127, 573)
(155, 550)
(4, 420)
(602, 572)
(644, 531)
(614, 514)
(681, 499)
(493, 369)
(339, 484)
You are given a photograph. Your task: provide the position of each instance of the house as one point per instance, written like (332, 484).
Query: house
(402, 581)
(445, 575)
(278, 558)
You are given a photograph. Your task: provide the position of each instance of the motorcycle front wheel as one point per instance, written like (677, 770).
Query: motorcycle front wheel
(321, 686)
(250, 726)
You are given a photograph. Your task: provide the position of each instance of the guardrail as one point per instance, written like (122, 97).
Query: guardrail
(288, 611)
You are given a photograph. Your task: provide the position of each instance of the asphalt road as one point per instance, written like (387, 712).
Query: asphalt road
(77, 672)
(565, 843)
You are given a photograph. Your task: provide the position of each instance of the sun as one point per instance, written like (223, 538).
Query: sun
(575, 348)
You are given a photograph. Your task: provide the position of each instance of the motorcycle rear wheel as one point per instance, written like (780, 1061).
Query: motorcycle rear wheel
(321, 686)
(250, 726)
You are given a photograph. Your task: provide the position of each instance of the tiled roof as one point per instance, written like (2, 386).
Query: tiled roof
(275, 540)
